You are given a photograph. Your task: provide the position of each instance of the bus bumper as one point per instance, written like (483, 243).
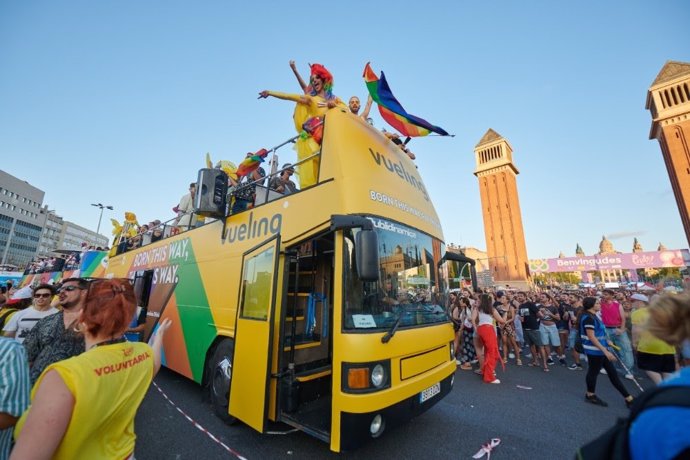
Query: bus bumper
(355, 428)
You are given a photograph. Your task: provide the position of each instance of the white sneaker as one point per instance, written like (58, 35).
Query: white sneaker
(629, 376)
(496, 381)
(458, 362)
(603, 371)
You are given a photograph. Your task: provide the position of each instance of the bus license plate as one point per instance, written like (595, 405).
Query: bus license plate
(430, 392)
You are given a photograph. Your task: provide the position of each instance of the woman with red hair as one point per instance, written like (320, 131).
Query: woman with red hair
(308, 117)
(84, 407)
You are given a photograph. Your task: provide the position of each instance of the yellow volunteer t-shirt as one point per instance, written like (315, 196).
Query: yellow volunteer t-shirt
(648, 343)
(108, 384)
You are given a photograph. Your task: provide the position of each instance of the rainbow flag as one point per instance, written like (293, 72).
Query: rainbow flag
(251, 163)
(93, 264)
(392, 112)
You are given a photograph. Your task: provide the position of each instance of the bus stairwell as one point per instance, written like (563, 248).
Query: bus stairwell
(305, 389)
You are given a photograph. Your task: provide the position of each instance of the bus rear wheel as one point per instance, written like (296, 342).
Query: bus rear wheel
(220, 371)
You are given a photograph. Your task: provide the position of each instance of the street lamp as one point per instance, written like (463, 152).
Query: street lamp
(99, 205)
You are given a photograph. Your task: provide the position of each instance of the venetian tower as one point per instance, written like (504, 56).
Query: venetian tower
(505, 238)
(668, 101)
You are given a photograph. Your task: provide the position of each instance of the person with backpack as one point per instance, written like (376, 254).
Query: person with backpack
(662, 432)
(596, 347)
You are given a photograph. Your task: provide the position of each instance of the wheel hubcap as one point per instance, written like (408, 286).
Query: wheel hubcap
(221, 379)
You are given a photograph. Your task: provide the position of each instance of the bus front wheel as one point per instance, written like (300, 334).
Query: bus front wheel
(221, 378)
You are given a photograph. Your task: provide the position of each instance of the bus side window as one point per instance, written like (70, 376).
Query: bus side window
(142, 287)
(353, 284)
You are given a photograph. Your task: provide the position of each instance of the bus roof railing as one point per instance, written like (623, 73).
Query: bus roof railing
(171, 228)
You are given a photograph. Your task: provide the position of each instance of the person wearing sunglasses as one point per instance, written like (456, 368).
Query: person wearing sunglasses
(84, 407)
(54, 338)
(19, 326)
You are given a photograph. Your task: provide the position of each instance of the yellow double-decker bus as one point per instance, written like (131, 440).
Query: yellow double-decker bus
(323, 309)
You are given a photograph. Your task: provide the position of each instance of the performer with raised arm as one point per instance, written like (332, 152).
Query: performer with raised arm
(308, 118)
(299, 78)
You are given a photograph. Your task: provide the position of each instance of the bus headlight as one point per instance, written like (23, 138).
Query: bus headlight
(366, 377)
(378, 376)
(377, 426)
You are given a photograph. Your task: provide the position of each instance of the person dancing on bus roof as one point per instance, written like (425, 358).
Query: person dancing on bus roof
(305, 88)
(308, 119)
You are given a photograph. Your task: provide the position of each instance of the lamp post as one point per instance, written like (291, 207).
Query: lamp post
(99, 205)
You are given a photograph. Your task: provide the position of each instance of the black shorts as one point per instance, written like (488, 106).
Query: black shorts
(656, 363)
(532, 337)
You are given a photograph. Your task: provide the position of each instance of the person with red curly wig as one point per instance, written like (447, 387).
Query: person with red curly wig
(308, 117)
(84, 407)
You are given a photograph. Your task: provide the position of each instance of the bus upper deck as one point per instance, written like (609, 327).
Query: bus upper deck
(323, 309)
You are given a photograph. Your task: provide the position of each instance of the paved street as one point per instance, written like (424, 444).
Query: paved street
(547, 422)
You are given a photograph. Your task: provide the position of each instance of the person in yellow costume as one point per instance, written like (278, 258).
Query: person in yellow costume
(123, 233)
(308, 118)
(84, 406)
(654, 356)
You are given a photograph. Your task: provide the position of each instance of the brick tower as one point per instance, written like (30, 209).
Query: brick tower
(668, 101)
(505, 238)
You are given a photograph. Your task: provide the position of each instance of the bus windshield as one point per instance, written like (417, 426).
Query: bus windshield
(410, 284)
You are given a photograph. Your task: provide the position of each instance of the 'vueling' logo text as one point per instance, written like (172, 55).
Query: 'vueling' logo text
(399, 170)
(255, 228)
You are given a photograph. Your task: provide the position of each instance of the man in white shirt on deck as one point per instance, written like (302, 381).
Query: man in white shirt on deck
(22, 322)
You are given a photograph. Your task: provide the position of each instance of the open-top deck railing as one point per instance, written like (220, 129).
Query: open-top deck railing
(171, 227)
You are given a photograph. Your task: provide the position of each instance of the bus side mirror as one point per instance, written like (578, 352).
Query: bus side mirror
(211, 193)
(367, 255)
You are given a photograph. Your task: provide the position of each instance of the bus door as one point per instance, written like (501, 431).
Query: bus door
(254, 335)
(306, 356)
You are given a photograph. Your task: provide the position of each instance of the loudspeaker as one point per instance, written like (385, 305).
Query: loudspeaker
(211, 193)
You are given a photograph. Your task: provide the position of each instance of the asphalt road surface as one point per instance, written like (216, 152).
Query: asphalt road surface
(548, 421)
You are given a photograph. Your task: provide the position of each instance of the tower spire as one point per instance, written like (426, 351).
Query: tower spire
(668, 102)
(505, 238)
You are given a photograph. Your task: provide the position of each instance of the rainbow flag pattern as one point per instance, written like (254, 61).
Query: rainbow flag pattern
(251, 163)
(181, 289)
(41, 278)
(93, 264)
(392, 111)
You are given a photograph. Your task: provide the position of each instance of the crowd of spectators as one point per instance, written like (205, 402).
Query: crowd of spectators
(48, 264)
(68, 261)
(623, 334)
(544, 327)
(52, 355)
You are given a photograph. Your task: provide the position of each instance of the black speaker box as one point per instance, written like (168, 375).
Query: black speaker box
(211, 193)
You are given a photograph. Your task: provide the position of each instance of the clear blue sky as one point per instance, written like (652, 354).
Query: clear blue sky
(118, 101)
